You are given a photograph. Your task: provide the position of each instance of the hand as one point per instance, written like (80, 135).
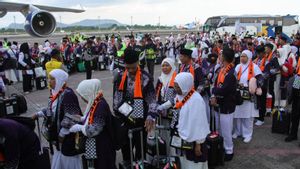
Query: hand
(198, 150)
(160, 107)
(213, 101)
(149, 125)
(35, 116)
(76, 128)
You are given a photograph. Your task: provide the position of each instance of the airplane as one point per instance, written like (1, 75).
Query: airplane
(39, 22)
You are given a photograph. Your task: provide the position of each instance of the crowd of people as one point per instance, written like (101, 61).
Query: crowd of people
(227, 74)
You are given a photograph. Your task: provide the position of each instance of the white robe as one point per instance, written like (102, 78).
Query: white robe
(247, 109)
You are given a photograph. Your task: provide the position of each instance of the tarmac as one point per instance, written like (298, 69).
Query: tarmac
(265, 151)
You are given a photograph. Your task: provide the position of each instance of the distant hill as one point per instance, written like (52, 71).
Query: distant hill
(104, 23)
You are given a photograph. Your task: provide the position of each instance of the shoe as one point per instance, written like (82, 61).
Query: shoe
(247, 139)
(26, 92)
(234, 136)
(259, 123)
(290, 138)
(228, 157)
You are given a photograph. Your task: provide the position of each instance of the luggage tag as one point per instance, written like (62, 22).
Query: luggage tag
(176, 141)
(126, 109)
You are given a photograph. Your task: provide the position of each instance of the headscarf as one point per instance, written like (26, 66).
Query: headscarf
(165, 78)
(192, 124)
(294, 50)
(61, 78)
(244, 76)
(89, 89)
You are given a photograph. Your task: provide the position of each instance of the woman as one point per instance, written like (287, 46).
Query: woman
(20, 148)
(63, 104)
(26, 65)
(165, 92)
(96, 125)
(244, 114)
(192, 124)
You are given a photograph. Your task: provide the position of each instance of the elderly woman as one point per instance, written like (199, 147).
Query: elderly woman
(192, 123)
(63, 104)
(244, 114)
(96, 125)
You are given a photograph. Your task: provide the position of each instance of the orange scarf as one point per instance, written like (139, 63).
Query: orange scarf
(250, 72)
(137, 83)
(298, 67)
(270, 56)
(171, 85)
(223, 72)
(94, 107)
(192, 70)
(53, 98)
(262, 63)
(179, 104)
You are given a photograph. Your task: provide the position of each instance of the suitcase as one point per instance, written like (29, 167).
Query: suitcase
(216, 151)
(281, 121)
(22, 103)
(142, 164)
(81, 66)
(102, 66)
(44, 156)
(8, 107)
(41, 83)
(162, 158)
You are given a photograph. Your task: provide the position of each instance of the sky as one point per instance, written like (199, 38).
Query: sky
(170, 12)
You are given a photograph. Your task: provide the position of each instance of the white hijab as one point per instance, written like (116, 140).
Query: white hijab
(165, 78)
(244, 76)
(60, 77)
(193, 124)
(89, 89)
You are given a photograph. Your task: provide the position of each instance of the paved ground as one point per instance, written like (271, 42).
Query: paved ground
(266, 151)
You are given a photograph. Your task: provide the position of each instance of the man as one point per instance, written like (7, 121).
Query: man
(223, 96)
(262, 62)
(274, 69)
(134, 87)
(88, 57)
(150, 56)
(187, 65)
(55, 62)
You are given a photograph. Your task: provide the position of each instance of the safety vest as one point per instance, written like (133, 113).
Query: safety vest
(120, 52)
(5, 44)
(150, 53)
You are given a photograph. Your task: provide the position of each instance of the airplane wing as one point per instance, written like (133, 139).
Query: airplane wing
(17, 7)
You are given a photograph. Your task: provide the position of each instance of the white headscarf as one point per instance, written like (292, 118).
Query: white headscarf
(294, 50)
(89, 89)
(165, 78)
(244, 76)
(192, 124)
(61, 78)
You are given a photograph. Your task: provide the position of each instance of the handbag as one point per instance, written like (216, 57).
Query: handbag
(179, 143)
(39, 72)
(238, 98)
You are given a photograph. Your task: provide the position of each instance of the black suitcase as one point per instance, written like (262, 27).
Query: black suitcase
(142, 164)
(8, 107)
(44, 156)
(281, 121)
(216, 151)
(22, 103)
(41, 83)
(162, 158)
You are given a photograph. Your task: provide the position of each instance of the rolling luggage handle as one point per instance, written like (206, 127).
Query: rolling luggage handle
(157, 128)
(130, 135)
(214, 132)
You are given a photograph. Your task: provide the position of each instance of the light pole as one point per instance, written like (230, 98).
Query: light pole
(99, 20)
(131, 21)
(159, 22)
(15, 25)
